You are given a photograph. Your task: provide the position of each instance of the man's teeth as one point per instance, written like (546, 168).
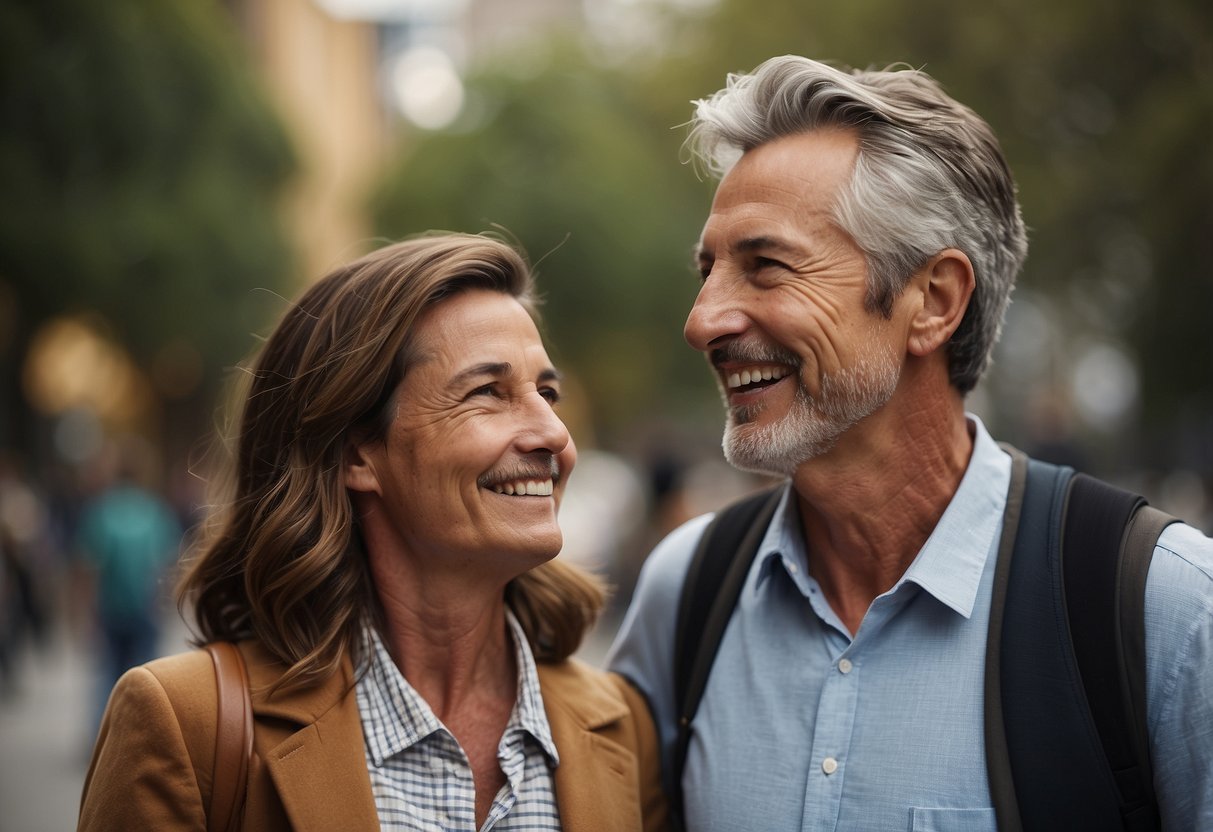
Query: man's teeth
(756, 374)
(530, 488)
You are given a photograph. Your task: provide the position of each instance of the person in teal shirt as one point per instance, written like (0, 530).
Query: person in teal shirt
(128, 537)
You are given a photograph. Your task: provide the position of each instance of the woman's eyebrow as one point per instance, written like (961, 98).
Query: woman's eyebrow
(496, 369)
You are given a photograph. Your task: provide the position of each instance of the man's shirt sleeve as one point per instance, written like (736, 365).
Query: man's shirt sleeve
(643, 651)
(1179, 674)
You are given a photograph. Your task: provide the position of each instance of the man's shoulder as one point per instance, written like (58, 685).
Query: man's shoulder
(1180, 583)
(642, 647)
(665, 568)
(1191, 548)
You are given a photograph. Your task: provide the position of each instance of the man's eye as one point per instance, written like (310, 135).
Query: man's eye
(767, 263)
(483, 390)
(550, 393)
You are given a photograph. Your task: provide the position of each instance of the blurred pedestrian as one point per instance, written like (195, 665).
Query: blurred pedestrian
(24, 607)
(127, 541)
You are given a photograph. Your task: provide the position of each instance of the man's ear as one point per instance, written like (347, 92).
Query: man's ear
(946, 285)
(358, 465)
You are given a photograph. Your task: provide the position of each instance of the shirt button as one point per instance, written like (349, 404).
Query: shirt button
(792, 568)
(829, 765)
(845, 666)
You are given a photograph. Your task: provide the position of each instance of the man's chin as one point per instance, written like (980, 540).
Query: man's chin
(749, 449)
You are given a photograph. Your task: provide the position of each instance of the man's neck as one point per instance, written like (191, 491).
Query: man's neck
(869, 504)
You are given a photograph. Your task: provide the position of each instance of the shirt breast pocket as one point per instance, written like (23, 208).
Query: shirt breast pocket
(952, 820)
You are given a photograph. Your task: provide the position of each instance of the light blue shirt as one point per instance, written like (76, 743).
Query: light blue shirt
(803, 727)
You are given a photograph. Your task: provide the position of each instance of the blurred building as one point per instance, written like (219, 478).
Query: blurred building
(321, 72)
(350, 78)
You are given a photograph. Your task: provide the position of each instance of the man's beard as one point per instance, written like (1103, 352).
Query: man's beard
(811, 426)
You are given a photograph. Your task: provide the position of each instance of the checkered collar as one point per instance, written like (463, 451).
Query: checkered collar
(395, 717)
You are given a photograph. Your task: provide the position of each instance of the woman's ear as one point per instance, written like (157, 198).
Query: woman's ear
(358, 465)
(946, 283)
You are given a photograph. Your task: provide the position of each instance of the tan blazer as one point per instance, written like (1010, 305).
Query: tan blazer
(153, 762)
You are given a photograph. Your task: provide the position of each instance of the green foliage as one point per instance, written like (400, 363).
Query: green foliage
(570, 165)
(1104, 110)
(140, 168)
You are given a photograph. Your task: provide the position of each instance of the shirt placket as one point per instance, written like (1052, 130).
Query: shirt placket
(513, 762)
(834, 722)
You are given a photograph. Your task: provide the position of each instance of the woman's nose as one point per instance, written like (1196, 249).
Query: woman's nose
(545, 430)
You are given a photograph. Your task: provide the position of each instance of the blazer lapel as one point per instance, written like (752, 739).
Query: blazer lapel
(597, 776)
(312, 745)
(321, 776)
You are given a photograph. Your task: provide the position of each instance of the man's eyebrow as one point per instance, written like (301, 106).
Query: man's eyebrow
(747, 245)
(752, 244)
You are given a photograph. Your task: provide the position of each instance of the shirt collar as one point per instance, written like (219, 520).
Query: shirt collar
(950, 564)
(528, 714)
(395, 717)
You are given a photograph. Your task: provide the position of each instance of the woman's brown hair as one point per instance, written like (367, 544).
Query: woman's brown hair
(280, 559)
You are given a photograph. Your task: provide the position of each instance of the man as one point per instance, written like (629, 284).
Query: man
(857, 262)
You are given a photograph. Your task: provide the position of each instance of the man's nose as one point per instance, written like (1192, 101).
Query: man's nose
(716, 316)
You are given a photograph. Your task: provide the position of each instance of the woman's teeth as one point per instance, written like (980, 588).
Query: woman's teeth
(530, 488)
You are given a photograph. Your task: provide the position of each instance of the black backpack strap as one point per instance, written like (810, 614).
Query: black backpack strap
(998, 760)
(1061, 778)
(1105, 600)
(1137, 551)
(710, 591)
(1066, 661)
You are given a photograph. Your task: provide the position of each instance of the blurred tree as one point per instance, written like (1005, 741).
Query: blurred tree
(568, 162)
(1104, 110)
(140, 167)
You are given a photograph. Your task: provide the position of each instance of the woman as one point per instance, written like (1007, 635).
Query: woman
(386, 566)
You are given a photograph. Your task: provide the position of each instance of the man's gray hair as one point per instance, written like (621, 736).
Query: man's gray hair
(929, 175)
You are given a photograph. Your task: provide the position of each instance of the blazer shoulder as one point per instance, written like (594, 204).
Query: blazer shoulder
(183, 672)
(155, 750)
(604, 734)
(595, 698)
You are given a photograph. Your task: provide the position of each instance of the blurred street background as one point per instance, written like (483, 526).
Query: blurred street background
(172, 172)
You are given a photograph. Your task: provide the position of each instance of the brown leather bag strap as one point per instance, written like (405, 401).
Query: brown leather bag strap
(233, 738)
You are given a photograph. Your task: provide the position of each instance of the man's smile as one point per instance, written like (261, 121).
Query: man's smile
(754, 377)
